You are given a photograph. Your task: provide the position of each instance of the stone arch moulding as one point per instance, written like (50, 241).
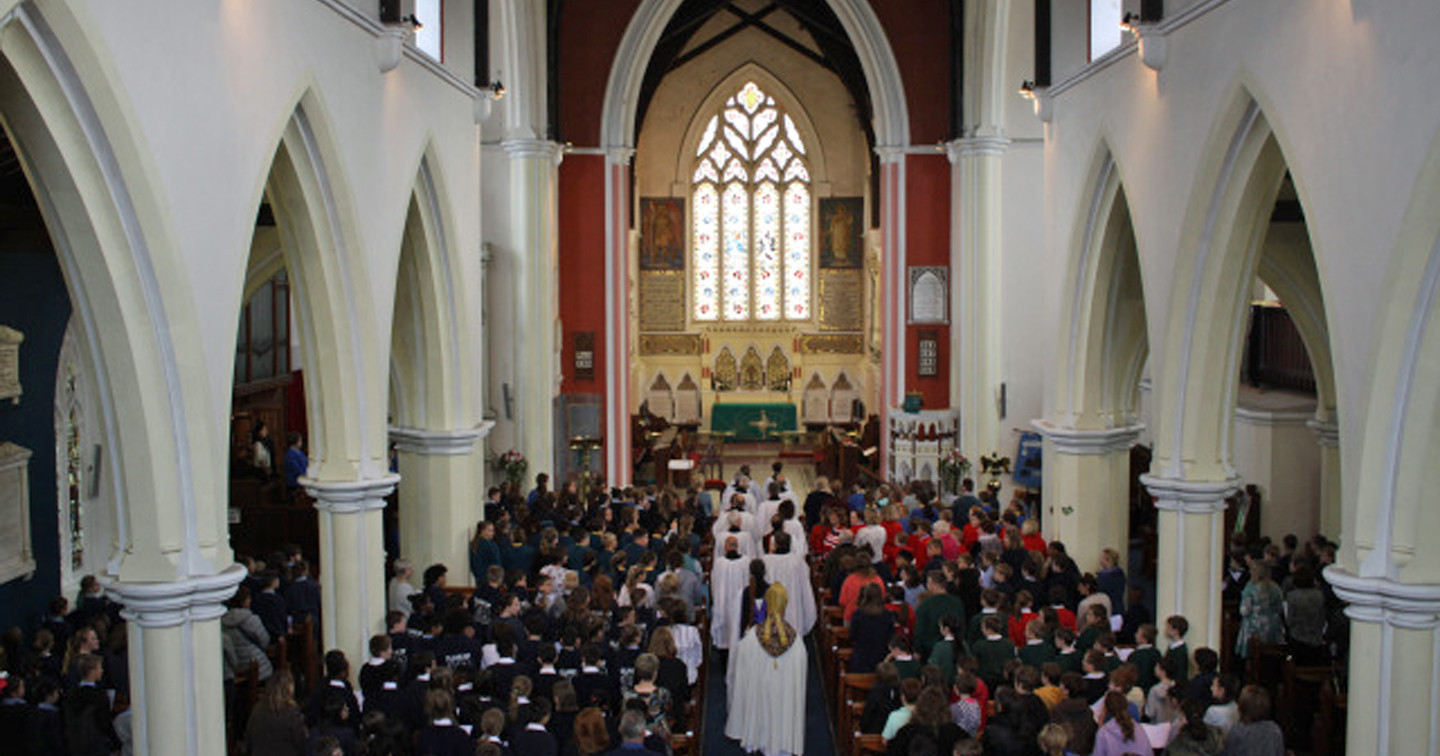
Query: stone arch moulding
(131, 304)
(1223, 232)
(345, 379)
(428, 354)
(1404, 402)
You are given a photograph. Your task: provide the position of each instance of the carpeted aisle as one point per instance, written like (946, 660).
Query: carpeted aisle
(819, 740)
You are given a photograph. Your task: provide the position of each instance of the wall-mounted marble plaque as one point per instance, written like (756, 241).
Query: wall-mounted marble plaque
(662, 300)
(10, 363)
(929, 294)
(16, 558)
(842, 300)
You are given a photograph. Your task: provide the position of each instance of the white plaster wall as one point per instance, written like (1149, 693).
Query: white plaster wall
(1345, 87)
(1279, 454)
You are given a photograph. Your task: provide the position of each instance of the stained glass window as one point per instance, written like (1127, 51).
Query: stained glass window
(751, 214)
(74, 466)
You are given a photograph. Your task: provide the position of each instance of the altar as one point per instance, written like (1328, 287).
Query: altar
(753, 421)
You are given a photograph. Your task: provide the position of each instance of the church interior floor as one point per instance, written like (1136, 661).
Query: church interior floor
(819, 735)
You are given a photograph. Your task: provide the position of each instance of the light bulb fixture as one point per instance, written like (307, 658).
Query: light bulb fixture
(1130, 23)
(412, 22)
(1027, 89)
(497, 89)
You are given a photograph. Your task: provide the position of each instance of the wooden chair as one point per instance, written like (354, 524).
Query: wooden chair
(868, 744)
(682, 743)
(854, 689)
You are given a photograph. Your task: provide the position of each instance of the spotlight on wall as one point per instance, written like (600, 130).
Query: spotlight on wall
(497, 89)
(1027, 89)
(412, 22)
(1130, 23)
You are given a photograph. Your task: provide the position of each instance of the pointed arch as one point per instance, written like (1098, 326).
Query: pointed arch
(1108, 340)
(427, 352)
(344, 401)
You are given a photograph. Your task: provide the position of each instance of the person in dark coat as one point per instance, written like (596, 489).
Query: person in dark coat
(89, 728)
(15, 716)
(276, 726)
(632, 735)
(47, 735)
(302, 596)
(442, 737)
(269, 605)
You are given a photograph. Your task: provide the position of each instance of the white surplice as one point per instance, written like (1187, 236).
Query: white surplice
(793, 572)
(728, 578)
(748, 523)
(767, 700)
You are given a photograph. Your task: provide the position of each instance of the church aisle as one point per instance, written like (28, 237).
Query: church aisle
(819, 739)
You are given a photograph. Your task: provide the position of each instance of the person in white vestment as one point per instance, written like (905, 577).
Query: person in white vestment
(767, 702)
(727, 583)
(739, 524)
(785, 566)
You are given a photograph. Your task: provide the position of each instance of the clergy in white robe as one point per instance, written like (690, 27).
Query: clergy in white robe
(724, 524)
(747, 502)
(767, 696)
(790, 568)
(728, 576)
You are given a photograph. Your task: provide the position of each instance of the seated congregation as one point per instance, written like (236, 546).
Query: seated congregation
(599, 621)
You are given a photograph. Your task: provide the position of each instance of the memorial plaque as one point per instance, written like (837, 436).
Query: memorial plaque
(929, 294)
(842, 300)
(585, 355)
(832, 343)
(16, 559)
(663, 345)
(662, 301)
(10, 363)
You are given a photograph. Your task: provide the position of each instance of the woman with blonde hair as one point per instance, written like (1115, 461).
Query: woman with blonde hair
(767, 698)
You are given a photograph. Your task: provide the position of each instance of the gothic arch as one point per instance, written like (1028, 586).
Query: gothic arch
(130, 302)
(774, 86)
(428, 353)
(1400, 441)
(1104, 306)
(345, 407)
(882, 73)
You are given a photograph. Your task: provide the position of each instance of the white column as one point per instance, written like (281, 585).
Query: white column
(176, 677)
(1327, 435)
(1394, 664)
(440, 501)
(1087, 489)
(534, 183)
(975, 332)
(1191, 525)
(352, 561)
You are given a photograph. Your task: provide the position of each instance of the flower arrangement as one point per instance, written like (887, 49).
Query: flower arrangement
(514, 465)
(954, 467)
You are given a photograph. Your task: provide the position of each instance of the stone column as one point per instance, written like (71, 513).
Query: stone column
(177, 684)
(975, 373)
(1394, 664)
(1087, 489)
(440, 501)
(1327, 434)
(352, 561)
(1191, 552)
(534, 182)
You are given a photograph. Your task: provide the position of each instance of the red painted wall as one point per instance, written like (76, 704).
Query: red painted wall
(919, 34)
(582, 265)
(927, 242)
(590, 33)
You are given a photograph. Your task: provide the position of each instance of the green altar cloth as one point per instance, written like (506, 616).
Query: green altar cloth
(753, 422)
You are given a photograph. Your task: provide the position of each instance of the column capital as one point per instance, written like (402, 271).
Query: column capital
(1327, 433)
(1091, 441)
(890, 153)
(1380, 600)
(976, 146)
(453, 443)
(175, 603)
(1190, 496)
(350, 496)
(522, 149)
(619, 155)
